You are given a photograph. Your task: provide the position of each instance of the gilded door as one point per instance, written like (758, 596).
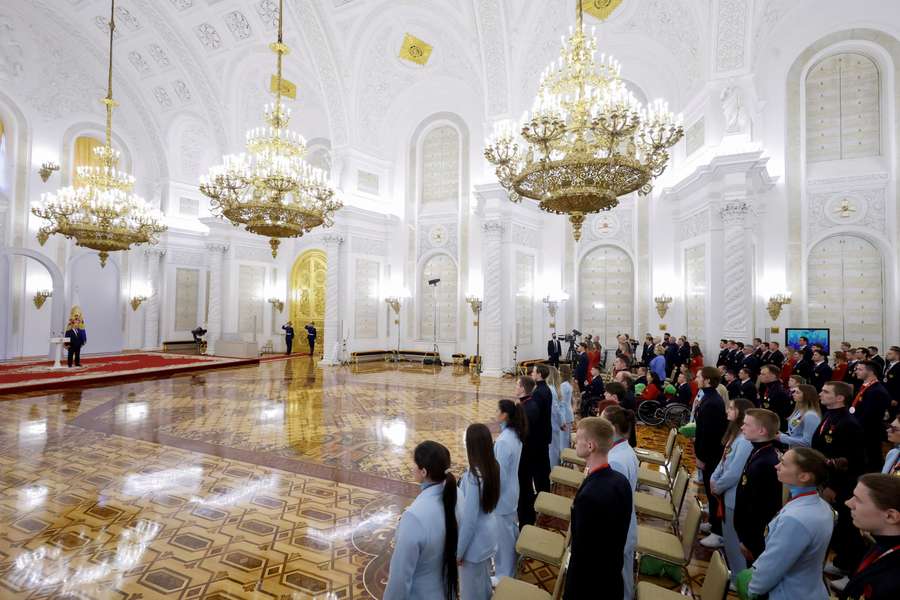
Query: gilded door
(307, 295)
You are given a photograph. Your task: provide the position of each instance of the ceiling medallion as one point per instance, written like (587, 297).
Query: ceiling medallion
(271, 190)
(100, 212)
(587, 141)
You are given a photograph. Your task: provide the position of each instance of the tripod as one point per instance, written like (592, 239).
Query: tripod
(571, 354)
(434, 319)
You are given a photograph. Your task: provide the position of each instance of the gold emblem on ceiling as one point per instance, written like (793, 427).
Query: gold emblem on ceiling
(600, 9)
(415, 50)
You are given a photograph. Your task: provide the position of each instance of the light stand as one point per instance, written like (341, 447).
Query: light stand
(394, 303)
(434, 283)
(475, 303)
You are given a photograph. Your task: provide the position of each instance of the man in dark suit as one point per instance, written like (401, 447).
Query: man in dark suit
(289, 336)
(723, 353)
(750, 362)
(76, 337)
(554, 350)
(821, 372)
(311, 337)
(544, 398)
(804, 348)
(773, 396)
(532, 450)
(711, 425)
(840, 438)
(684, 351)
(758, 348)
(732, 383)
(892, 377)
(874, 357)
(581, 367)
(869, 406)
(804, 366)
(647, 351)
(672, 357)
(747, 386)
(737, 356)
(776, 356)
(601, 514)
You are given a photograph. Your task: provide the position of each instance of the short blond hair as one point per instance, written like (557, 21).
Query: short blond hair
(598, 430)
(767, 419)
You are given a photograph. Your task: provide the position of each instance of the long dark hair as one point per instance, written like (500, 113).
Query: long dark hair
(516, 418)
(435, 459)
(480, 451)
(734, 427)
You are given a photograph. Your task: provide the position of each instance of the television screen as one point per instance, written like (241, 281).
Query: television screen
(792, 337)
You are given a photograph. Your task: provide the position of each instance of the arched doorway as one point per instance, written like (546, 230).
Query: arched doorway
(845, 290)
(307, 293)
(606, 294)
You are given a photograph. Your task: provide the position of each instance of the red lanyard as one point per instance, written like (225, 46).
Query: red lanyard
(825, 422)
(871, 558)
(859, 395)
(598, 468)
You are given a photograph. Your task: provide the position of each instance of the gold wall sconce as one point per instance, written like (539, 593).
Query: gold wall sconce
(136, 302)
(776, 303)
(276, 303)
(47, 169)
(40, 297)
(662, 305)
(476, 303)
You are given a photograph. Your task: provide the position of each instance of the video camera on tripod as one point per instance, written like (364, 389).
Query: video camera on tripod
(572, 338)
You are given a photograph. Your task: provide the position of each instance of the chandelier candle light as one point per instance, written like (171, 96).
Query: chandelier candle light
(101, 213)
(587, 140)
(270, 189)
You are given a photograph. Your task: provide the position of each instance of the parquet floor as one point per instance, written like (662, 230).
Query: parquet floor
(276, 481)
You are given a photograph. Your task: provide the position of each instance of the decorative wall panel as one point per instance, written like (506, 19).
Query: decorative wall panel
(695, 137)
(695, 292)
(250, 302)
(187, 297)
(440, 165)
(846, 290)
(606, 294)
(442, 267)
(842, 108)
(366, 301)
(524, 298)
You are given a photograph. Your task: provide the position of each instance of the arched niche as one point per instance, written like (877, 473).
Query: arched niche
(57, 305)
(439, 265)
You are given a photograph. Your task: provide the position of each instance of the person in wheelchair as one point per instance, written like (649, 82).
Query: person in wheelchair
(593, 394)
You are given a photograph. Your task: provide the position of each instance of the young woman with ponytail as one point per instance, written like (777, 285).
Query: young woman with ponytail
(623, 459)
(479, 488)
(424, 560)
(508, 451)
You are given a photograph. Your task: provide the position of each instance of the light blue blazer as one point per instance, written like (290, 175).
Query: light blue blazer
(800, 429)
(417, 565)
(892, 457)
(796, 544)
(658, 366)
(728, 472)
(623, 460)
(477, 529)
(508, 451)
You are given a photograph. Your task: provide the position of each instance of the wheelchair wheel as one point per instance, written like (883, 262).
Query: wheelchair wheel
(677, 415)
(650, 412)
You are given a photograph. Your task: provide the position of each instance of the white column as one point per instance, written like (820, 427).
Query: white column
(492, 310)
(153, 257)
(738, 304)
(215, 257)
(333, 243)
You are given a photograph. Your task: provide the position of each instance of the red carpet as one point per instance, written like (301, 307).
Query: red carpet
(28, 376)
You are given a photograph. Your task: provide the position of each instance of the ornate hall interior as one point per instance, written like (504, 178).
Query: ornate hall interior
(189, 456)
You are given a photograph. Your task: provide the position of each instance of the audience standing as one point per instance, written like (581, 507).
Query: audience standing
(623, 459)
(711, 426)
(508, 451)
(805, 419)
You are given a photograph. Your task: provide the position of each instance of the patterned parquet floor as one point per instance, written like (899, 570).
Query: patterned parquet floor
(277, 481)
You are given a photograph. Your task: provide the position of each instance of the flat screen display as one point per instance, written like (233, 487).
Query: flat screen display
(792, 337)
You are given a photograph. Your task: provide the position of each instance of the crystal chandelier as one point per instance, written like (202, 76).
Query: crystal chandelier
(587, 140)
(270, 189)
(100, 212)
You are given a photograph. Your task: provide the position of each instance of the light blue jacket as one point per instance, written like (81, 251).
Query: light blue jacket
(477, 529)
(892, 457)
(508, 451)
(800, 429)
(658, 366)
(417, 565)
(796, 544)
(561, 414)
(728, 472)
(623, 459)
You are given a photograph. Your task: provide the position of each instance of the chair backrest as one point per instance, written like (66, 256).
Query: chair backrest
(691, 528)
(679, 489)
(670, 442)
(560, 584)
(717, 576)
(674, 462)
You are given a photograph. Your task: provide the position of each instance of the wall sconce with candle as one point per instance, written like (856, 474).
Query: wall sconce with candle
(48, 167)
(276, 303)
(776, 303)
(40, 297)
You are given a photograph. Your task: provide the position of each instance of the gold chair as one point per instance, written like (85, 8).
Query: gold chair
(569, 457)
(553, 505)
(658, 458)
(515, 589)
(548, 547)
(566, 477)
(662, 480)
(668, 507)
(668, 547)
(715, 585)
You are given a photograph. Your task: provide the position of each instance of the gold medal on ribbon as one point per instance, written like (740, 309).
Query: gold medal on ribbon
(744, 479)
(827, 439)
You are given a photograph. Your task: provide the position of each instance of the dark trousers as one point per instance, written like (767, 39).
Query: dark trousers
(534, 476)
(74, 353)
(312, 345)
(846, 541)
(289, 341)
(714, 521)
(554, 360)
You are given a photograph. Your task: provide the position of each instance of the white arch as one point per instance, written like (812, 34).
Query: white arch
(580, 310)
(58, 305)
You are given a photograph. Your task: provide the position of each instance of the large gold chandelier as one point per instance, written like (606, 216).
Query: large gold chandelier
(270, 189)
(587, 140)
(100, 211)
